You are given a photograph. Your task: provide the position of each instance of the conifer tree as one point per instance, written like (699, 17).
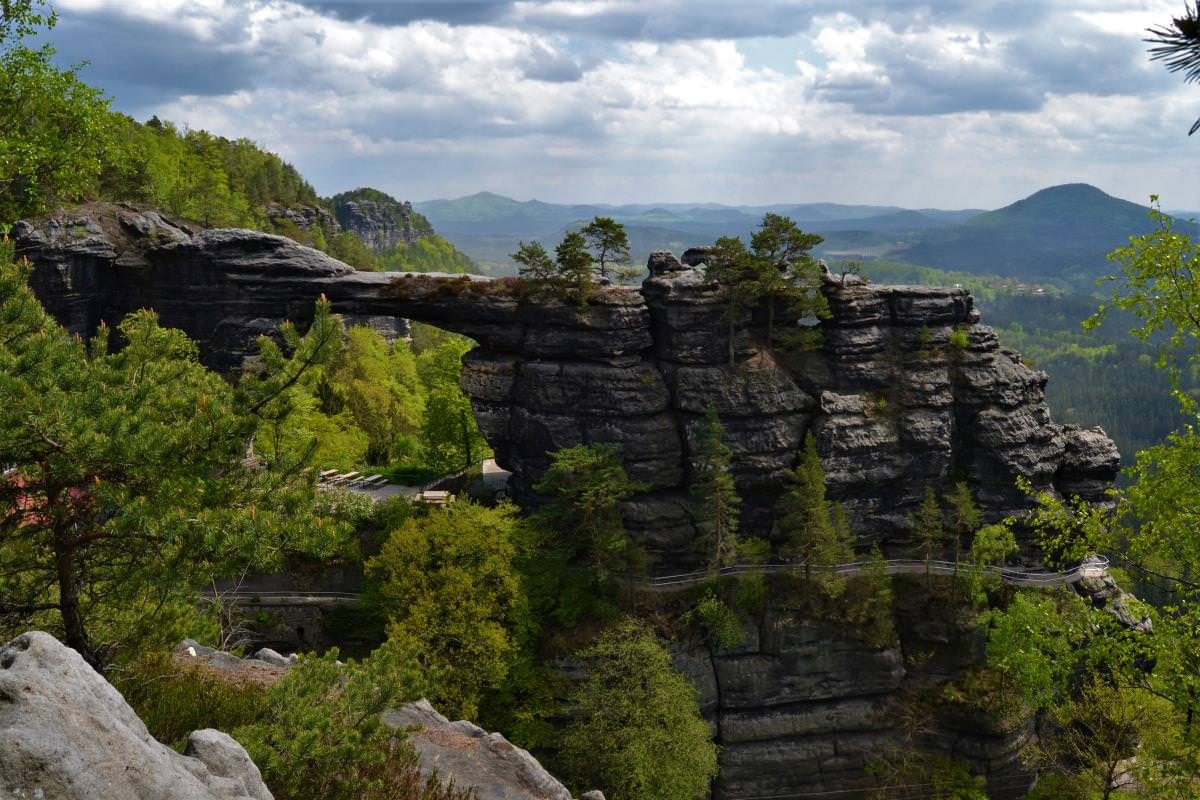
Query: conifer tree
(928, 527)
(535, 263)
(965, 516)
(574, 261)
(812, 528)
(716, 494)
(785, 270)
(609, 243)
(125, 484)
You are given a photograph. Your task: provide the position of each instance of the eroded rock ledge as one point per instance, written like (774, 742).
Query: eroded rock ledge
(908, 389)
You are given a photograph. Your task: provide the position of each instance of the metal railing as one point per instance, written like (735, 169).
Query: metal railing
(1094, 567)
(896, 566)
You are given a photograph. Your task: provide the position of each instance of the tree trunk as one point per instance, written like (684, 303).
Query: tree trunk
(75, 635)
(732, 349)
(770, 323)
(466, 433)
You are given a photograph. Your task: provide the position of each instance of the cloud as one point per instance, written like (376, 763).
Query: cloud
(958, 102)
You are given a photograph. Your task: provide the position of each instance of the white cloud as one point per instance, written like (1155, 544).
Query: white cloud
(955, 103)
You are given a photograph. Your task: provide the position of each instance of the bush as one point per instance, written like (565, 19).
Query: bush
(637, 732)
(323, 737)
(174, 700)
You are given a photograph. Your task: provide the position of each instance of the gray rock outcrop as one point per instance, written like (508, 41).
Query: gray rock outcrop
(382, 222)
(66, 733)
(471, 757)
(908, 389)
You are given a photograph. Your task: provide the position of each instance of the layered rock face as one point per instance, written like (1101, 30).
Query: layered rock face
(803, 707)
(380, 221)
(66, 733)
(907, 390)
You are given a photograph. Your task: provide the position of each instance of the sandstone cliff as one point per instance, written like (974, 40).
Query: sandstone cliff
(381, 221)
(908, 390)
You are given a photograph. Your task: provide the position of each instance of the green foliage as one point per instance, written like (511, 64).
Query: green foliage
(447, 582)
(585, 486)
(200, 176)
(535, 264)
(809, 525)
(928, 526)
(776, 269)
(1159, 285)
(992, 545)
(324, 738)
(965, 516)
(381, 404)
(450, 435)
(939, 777)
(609, 245)
(637, 732)
(1093, 735)
(430, 253)
(174, 700)
(127, 487)
(959, 339)
(52, 125)
(715, 494)
(719, 623)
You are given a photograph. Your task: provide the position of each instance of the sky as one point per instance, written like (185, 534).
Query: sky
(950, 104)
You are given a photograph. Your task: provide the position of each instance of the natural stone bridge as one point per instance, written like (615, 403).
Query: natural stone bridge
(895, 402)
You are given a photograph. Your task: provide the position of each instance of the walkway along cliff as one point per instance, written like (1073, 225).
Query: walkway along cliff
(907, 390)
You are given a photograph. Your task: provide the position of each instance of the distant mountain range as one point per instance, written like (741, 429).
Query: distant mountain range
(1058, 235)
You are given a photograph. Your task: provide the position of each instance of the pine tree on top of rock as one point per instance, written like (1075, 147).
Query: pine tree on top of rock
(609, 243)
(777, 268)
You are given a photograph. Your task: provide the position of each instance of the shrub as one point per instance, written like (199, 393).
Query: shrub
(637, 731)
(174, 700)
(323, 738)
(959, 339)
(720, 625)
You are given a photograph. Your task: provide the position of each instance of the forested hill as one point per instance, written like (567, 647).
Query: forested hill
(1061, 234)
(213, 181)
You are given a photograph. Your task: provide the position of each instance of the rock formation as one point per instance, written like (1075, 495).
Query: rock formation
(382, 222)
(470, 756)
(908, 390)
(66, 733)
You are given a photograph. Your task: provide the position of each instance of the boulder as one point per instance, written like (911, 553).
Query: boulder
(66, 733)
(472, 758)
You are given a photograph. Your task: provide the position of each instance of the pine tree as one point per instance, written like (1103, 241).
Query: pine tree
(785, 270)
(125, 483)
(716, 494)
(574, 261)
(536, 265)
(928, 527)
(813, 529)
(609, 243)
(965, 516)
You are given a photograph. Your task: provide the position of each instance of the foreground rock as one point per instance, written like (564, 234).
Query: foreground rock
(907, 391)
(460, 752)
(66, 733)
(471, 757)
